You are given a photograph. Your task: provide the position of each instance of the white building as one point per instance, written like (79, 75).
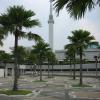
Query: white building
(6, 69)
(88, 54)
(60, 54)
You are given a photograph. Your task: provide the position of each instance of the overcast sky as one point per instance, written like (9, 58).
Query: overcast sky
(62, 27)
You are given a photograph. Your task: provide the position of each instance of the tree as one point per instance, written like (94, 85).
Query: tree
(14, 20)
(5, 58)
(81, 39)
(53, 61)
(21, 54)
(3, 55)
(70, 53)
(40, 49)
(50, 56)
(2, 34)
(69, 57)
(76, 8)
(33, 59)
(30, 36)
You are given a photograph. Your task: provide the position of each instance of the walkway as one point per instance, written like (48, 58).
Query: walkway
(50, 89)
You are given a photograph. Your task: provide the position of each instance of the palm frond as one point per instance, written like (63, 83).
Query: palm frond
(18, 17)
(31, 23)
(76, 8)
(81, 39)
(35, 37)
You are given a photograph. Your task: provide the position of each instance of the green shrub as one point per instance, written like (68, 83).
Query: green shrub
(18, 92)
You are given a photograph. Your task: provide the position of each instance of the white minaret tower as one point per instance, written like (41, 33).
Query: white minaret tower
(51, 22)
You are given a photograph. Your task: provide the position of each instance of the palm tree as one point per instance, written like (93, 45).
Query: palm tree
(76, 8)
(14, 20)
(81, 39)
(53, 60)
(21, 54)
(41, 49)
(50, 56)
(5, 57)
(30, 36)
(33, 58)
(69, 57)
(2, 35)
(70, 52)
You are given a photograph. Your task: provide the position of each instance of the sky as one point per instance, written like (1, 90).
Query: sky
(62, 27)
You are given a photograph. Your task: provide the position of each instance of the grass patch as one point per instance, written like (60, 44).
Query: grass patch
(78, 85)
(18, 92)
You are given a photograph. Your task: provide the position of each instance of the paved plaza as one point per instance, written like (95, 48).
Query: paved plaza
(49, 89)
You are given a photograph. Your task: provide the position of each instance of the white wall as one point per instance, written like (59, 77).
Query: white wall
(1, 72)
(22, 66)
(77, 66)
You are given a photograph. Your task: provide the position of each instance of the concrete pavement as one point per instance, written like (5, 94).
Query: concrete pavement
(50, 89)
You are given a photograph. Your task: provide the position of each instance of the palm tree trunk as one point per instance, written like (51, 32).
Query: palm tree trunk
(18, 70)
(52, 70)
(33, 70)
(96, 69)
(40, 72)
(5, 71)
(70, 67)
(74, 72)
(48, 69)
(40, 69)
(15, 86)
(81, 76)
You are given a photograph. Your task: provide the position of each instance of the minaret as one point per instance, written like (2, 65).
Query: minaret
(51, 22)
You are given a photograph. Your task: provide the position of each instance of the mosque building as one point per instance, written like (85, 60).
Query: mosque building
(89, 53)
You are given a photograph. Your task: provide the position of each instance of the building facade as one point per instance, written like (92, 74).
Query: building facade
(88, 54)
